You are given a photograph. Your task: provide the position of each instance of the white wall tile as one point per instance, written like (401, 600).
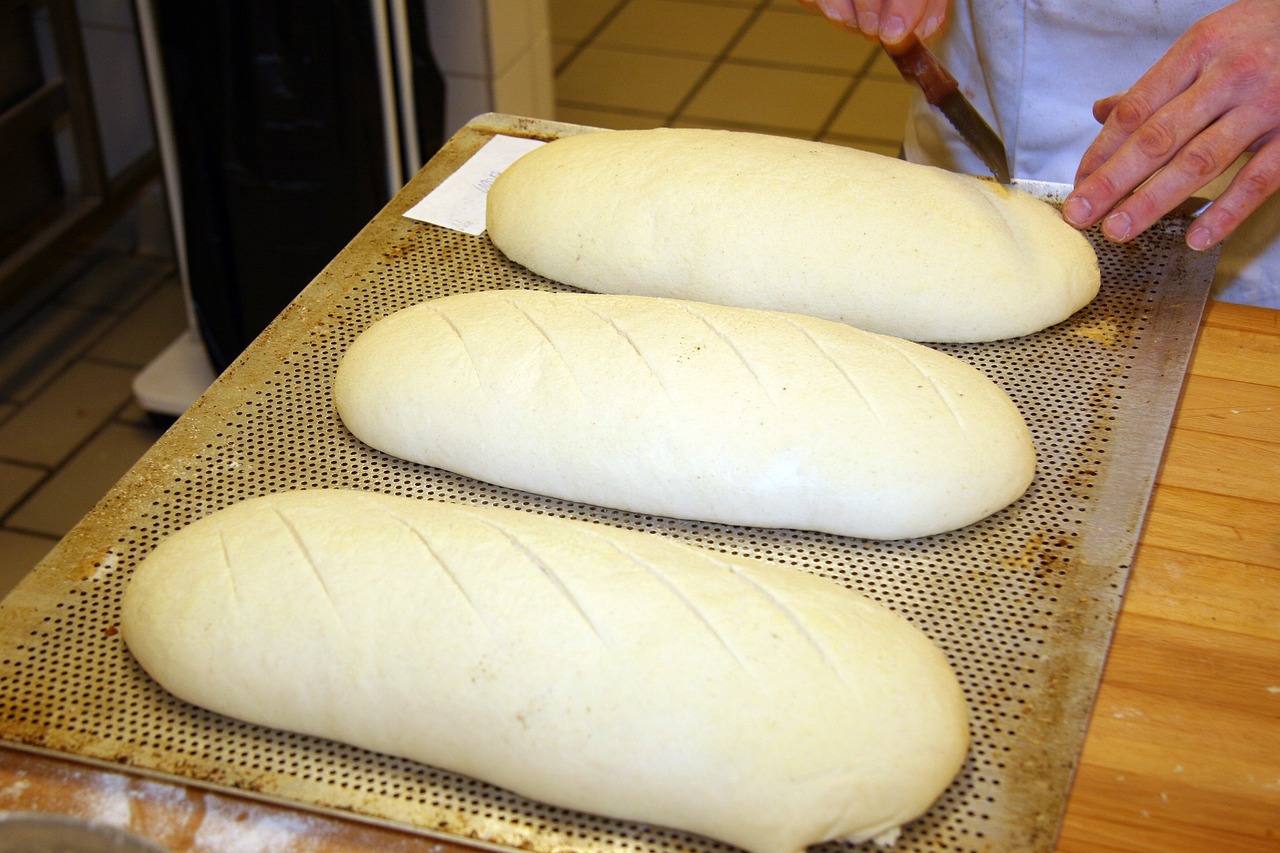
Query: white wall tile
(465, 98)
(525, 87)
(513, 26)
(495, 56)
(458, 41)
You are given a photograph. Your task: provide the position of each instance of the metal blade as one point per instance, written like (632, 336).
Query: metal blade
(977, 133)
(917, 63)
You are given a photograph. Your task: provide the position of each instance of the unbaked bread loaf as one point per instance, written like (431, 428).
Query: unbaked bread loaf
(598, 669)
(688, 410)
(769, 222)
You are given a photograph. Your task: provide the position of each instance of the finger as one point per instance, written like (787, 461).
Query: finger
(836, 11)
(899, 18)
(1202, 159)
(866, 16)
(935, 16)
(1167, 134)
(1102, 108)
(1137, 114)
(1123, 114)
(923, 17)
(1257, 181)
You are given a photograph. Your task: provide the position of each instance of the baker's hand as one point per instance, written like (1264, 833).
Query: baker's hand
(887, 20)
(1212, 97)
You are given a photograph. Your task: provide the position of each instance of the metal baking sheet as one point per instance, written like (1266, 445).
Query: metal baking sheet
(1023, 603)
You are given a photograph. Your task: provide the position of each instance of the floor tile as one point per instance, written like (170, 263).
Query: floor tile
(877, 109)
(147, 329)
(16, 482)
(65, 413)
(803, 41)
(633, 82)
(69, 263)
(674, 26)
(116, 282)
(796, 101)
(133, 414)
(574, 20)
(882, 68)
(19, 553)
(561, 52)
(78, 485)
(36, 351)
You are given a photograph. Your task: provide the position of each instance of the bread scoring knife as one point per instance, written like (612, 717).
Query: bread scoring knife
(917, 63)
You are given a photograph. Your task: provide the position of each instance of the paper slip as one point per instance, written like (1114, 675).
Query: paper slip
(458, 202)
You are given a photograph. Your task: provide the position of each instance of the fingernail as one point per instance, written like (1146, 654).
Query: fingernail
(1077, 210)
(1117, 226)
(893, 29)
(835, 14)
(1199, 238)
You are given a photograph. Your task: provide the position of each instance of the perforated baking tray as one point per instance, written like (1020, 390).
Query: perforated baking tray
(1023, 603)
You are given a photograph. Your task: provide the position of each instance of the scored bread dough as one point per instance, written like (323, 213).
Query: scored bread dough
(688, 410)
(785, 224)
(599, 669)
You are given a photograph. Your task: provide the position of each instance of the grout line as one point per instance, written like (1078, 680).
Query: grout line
(657, 117)
(721, 59)
(82, 355)
(858, 78)
(113, 419)
(773, 65)
(604, 21)
(39, 534)
(715, 63)
(83, 342)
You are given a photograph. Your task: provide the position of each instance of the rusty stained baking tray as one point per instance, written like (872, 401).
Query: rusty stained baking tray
(1023, 603)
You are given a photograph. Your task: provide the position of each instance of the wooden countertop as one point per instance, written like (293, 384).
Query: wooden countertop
(1183, 749)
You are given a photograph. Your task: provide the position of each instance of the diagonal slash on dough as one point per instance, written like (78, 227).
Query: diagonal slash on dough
(942, 395)
(567, 366)
(684, 599)
(787, 612)
(315, 569)
(547, 572)
(729, 343)
(857, 391)
(444, 567)
(626, 337)
(471, 359)
(791, 617)
(231, 572)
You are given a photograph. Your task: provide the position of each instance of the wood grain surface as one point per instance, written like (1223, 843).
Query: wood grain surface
(1183, 749)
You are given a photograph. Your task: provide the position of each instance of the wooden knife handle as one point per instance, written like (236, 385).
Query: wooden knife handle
(916, 62)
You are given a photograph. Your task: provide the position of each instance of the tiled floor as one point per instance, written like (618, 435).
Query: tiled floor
(764, 65)
(68, 424)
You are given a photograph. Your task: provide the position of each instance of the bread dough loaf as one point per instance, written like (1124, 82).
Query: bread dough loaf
(785, 224)
(688, 410)
(598, 669)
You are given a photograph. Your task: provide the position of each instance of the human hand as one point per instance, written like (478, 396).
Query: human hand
(1213, 96)
(887, 20)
